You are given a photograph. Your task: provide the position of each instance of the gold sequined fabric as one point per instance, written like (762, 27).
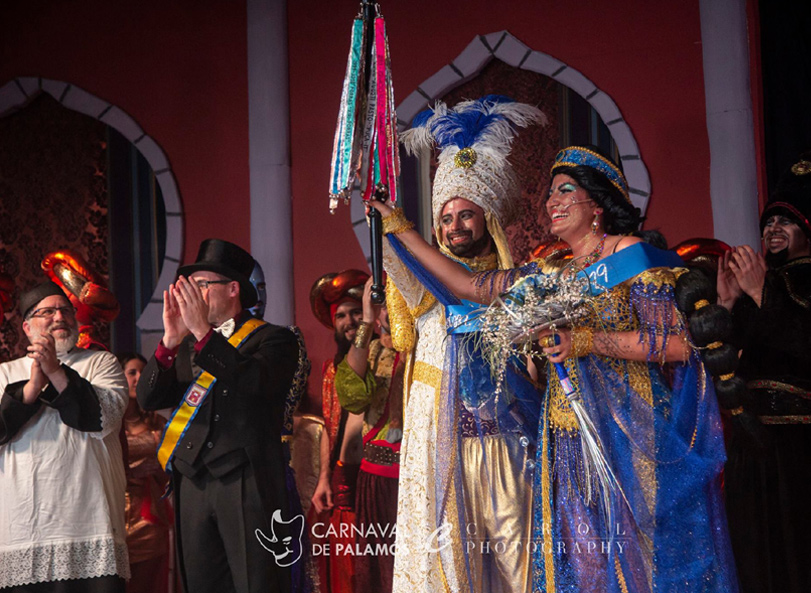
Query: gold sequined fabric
(305, 456)
(147, 534)
(417, 568)
(401, 321)
(611, 311)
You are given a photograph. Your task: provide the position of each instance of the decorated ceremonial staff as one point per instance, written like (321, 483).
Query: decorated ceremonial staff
(366, 147)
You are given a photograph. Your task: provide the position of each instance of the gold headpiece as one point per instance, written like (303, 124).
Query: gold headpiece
(802, 167)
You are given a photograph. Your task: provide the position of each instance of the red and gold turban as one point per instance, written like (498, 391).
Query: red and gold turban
(332, 290)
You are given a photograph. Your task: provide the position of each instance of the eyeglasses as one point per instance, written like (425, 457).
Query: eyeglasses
(50, 312)
(204, 284)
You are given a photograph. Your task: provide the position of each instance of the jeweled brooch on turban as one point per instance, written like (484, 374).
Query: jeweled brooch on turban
(465, 158)
(801, 168)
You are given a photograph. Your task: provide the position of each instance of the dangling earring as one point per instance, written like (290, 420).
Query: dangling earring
(595, 224)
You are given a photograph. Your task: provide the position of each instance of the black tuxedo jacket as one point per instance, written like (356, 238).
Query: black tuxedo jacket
(241, 417)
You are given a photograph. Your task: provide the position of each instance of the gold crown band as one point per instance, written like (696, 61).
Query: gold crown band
(577, 156)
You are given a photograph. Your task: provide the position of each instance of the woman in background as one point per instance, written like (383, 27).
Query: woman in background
(148, 517)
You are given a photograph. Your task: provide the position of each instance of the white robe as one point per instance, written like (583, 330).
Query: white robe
(430, 557)
(61, 489)
(417, 564)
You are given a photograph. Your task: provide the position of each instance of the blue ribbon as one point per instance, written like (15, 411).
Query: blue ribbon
(605, 274)
(426, 278)
(624, 265)
(463, 318)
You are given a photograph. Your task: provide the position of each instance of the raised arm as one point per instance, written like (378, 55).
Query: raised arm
(458, 279)
(358, 355)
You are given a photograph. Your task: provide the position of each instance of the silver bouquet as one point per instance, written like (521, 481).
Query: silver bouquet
(511, 323)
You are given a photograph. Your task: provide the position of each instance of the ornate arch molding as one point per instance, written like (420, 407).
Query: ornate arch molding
(507, 48)
(17, 93)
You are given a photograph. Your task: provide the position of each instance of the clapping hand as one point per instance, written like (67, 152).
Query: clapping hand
(45, 369)
(726, 284)
(174, 328)
(43, 350)
(749, 268)
(36, 383)
(193, 307)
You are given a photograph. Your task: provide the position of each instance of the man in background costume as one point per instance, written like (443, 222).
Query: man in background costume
(61, 473)
(369, 381)
(475, 196)
(336, 302)
(228, 374)
(767, 483)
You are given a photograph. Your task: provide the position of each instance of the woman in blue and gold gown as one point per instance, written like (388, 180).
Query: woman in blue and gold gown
(646, 406)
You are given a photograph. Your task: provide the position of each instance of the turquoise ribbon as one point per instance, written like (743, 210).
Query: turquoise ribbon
(464, 318)
(344, 158)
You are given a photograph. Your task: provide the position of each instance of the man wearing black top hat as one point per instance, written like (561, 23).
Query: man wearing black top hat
(767, 485)
(227, 374)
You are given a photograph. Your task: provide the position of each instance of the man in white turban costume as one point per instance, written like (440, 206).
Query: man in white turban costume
(464, 506)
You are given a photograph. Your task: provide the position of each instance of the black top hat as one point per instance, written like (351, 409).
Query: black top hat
(792, 197)
(229, 260)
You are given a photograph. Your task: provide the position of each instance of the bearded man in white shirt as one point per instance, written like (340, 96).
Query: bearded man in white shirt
(61, 467)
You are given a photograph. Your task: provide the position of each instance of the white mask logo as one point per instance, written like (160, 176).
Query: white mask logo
(285, 540)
